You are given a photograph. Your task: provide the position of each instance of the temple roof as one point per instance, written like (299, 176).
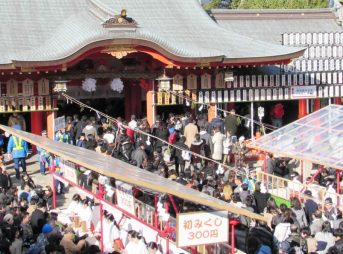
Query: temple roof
(55, 31)
(269, 24)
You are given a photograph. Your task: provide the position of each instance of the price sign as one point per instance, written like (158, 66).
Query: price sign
(125, 197)
(201, 228)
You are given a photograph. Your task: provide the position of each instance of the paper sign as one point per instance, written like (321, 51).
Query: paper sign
(201, 228)
(301, 92)
(125, 199)
(69, 171)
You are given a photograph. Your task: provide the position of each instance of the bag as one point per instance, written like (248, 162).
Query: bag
(186, 155)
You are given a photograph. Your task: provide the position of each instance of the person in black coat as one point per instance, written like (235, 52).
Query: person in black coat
(260, 198)
(177, 154)
(38, 218)
(5, 180)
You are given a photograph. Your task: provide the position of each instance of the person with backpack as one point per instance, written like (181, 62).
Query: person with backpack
(277, 114)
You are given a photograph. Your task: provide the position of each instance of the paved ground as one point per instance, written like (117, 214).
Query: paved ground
(40, 180)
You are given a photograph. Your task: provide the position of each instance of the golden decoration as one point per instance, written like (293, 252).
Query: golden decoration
(118, 51)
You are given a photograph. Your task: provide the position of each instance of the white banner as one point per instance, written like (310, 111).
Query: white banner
(201, 228)
(302, 92)
(125, 199)
(69, 171)
(59, 123)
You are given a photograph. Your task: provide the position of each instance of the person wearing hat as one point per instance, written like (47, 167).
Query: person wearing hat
(19, 150)
(8, 228)
(330, 211)
(42, 240)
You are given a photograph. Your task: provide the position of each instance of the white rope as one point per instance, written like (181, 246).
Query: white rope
(113, 120)
(262, 125)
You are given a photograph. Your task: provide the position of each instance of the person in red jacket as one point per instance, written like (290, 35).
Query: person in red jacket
(277, 114)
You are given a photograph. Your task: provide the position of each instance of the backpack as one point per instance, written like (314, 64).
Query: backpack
(278, 111)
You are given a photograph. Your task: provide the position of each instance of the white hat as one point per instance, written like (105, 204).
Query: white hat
(8, 217)
(241, 138)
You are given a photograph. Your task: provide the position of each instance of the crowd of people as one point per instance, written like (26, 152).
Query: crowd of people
(208, 157)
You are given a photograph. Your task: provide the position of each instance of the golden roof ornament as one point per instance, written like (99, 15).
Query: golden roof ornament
(120, 21)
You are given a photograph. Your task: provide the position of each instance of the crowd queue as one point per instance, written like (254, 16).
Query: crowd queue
(183, 149)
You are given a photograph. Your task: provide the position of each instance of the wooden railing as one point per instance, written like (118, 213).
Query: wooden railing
(286, 189)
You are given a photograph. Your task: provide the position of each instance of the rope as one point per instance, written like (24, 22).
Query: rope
(113, 120)
(262, 125)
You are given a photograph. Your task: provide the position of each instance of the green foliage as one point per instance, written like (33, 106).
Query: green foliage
(269, 4)
(282, 4)
(213, 4)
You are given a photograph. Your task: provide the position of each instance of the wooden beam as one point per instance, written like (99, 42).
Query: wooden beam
(120, 170)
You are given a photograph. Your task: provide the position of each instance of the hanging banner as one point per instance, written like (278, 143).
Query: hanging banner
(201, 97)
(33, 103)
(47, 102)
(125, 199)
(2, 105)
(40, 103)
(220, 96)
(159, 98)
(166, 99)
(200, 228)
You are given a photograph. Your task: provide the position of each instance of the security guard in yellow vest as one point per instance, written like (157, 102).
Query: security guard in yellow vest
(19, 150)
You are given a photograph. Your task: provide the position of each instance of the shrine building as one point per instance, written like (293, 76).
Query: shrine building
(122, 48)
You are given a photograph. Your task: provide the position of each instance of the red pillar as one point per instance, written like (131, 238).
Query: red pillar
(316, 104)
(36, 125)
(302, 108)
(338, 101)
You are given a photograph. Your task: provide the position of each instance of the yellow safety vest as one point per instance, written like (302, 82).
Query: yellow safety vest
(62, 137)
(17, 143)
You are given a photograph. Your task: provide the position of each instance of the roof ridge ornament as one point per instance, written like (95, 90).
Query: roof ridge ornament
(120, 22)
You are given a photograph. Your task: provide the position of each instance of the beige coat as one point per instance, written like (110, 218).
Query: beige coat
(190, 131)
(217, 141)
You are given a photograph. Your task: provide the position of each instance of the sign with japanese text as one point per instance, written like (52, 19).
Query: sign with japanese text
(69, 171)
(300, 92)
(201, 228)
(125, 199)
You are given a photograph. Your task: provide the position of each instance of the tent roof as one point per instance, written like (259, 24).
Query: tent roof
(125, 172)
(51, 32)
(317, 138)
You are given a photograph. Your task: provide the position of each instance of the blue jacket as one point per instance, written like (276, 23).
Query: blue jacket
(17, 153)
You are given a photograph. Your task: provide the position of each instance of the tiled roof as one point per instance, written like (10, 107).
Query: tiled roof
(269, 25)
(44, 32)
